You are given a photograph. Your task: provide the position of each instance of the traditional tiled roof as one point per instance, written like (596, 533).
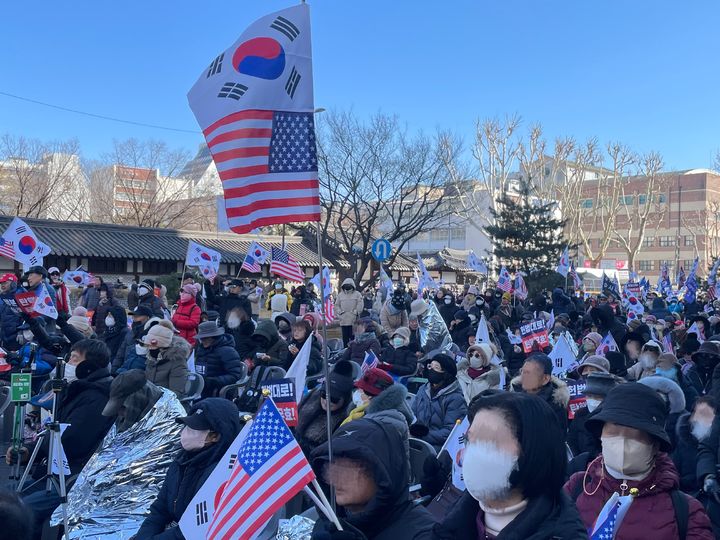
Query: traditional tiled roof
(447, 259)
(74, 239)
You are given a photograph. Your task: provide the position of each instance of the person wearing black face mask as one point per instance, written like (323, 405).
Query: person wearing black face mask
(706, 360)
(348, 306)
(446, 306)
(439, 403)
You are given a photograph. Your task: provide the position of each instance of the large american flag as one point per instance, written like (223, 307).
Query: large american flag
(284, 265)
(267, 162)
(270, 470)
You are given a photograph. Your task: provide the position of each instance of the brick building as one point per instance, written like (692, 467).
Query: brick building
(683, 222)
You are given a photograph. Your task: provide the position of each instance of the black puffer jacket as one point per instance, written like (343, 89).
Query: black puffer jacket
(268, 341)
(219, 364)
(685, 456)
(242, 334)
(315, 363)
(579, 438)
(389, 515)
(115, 336)
(542, 519)
(154, 304)
(401, 361)
(188, 472)
(9, 321)
(447, 311)
(604, 318)
(81, 405)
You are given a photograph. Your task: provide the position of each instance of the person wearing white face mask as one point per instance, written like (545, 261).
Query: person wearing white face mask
(116, 329)
(693, 429)
(476, 373)
(513, 466)
(586, 447)
(631, 426)
(647, 361)
(80, 405)
(398, 358)
(209, 430)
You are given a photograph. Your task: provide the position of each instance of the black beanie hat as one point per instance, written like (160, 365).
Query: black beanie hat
(340, 382)
(447, 363)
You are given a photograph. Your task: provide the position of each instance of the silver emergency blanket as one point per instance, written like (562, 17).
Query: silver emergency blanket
(433, 330)
(295, 528)
(115, 489)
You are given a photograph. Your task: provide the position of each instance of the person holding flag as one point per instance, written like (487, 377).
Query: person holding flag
(635, 460)
(369, 473)
(513, 467)
(208, 431)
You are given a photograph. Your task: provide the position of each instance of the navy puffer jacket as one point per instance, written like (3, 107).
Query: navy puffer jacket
(219, 364)
(439, 412)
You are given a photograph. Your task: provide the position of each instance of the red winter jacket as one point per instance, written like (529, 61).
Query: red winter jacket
(651, 514)
(186, 319)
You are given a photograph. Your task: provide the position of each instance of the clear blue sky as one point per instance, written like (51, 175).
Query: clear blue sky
(638, 71)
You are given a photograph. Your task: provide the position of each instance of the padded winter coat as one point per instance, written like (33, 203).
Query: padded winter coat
(390, 514)
(272, 344)
(401, 361)
(81, 405)
(651, 515)
(219, 364)
(348, 305)
(9, 322)
(472, 387)
(555, 393)
(186, 319)
(169, 369)
(542, 519)
(439, 412)
(392, 318)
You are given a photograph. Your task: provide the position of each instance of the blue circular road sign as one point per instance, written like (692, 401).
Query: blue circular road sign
(381, 250)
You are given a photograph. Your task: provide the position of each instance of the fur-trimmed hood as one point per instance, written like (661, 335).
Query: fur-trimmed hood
(392, 398)
(560, 392)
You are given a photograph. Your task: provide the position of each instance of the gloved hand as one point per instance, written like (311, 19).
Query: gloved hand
(419, 430)
(711, 487)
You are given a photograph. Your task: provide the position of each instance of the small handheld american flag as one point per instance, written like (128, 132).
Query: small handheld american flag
(370, 361)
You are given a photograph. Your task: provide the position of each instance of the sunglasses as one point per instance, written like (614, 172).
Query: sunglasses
(333, 400)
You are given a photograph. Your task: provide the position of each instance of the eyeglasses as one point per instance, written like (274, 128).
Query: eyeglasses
(477, 355)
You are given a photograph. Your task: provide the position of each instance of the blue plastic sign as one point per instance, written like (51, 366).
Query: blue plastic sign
(381, 250)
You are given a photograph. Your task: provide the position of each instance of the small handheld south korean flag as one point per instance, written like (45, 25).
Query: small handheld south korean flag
(44, 304)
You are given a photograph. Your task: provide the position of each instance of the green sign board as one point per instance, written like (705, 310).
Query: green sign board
(20, 384)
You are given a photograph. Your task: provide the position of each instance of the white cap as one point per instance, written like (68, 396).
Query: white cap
(53, 269)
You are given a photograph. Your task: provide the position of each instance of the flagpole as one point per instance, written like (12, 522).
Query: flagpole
(326, 366)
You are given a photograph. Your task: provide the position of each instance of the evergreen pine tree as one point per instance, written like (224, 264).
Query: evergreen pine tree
(527, 235)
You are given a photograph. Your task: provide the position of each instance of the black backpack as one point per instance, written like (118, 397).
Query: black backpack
(679, 502)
